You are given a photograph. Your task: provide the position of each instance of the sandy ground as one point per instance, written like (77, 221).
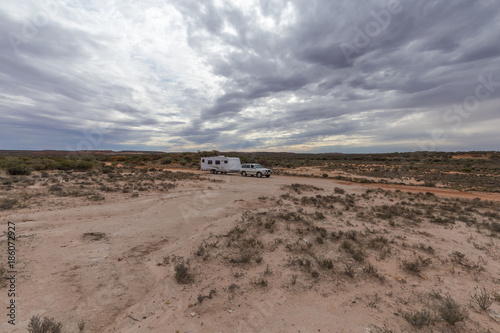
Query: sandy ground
(123, 280)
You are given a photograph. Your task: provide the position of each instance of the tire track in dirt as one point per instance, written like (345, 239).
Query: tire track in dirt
(442, 192)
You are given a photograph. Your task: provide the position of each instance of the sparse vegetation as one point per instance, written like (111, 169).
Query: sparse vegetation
(418, 318)
(7, 203)
(482, 298)
(416, 265)
(182, 275)
(451, 312)
(94, 236)
(44, 325)
(305, 239)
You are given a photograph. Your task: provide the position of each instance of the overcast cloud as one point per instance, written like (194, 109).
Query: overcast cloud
(276, 75)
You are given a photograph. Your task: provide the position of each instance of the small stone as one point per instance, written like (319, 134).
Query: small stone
(400, 279)
(193, 314)
(495, 315)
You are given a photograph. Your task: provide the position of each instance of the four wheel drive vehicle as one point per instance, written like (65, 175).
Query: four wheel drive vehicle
(254, 170)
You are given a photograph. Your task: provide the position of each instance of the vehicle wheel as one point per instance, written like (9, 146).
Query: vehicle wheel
(212, 171)
(259, 174)
(244, 174)
(268, 176)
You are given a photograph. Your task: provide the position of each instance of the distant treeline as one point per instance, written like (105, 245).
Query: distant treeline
(23, 162)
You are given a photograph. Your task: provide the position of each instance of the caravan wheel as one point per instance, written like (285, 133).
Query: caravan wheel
(212, 171)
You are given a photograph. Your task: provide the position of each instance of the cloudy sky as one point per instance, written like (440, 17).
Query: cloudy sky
(250, 75)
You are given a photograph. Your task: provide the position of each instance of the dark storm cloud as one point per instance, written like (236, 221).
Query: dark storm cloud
(419, 60)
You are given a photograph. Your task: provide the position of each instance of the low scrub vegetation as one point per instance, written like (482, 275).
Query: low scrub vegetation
(44, 325)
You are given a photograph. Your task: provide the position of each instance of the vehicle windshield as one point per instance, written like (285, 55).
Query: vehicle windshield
(258, 166)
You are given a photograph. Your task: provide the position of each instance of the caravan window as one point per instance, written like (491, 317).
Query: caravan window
(217, 162)
(203, 160)
(225, 162)
(209, 161)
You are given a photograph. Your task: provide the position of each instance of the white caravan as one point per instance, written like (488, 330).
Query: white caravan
(221, 164)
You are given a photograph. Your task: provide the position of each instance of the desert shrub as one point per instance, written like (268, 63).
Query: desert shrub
(416, 265)
(458, 257)
(378, 242)
(482, 298)
(182, 275)
(261, 282)
(298, 188)
(319, 216)
(358, 255)
(74, 164)
(426, 248)
(495, 226)
(166, 160)
(7, 203)
(346, 245)
(81, 325)
(339, 190)
(94, 236)
(371, 270)
(326, 264)
(349, 270)
(15, 167)
(451, 312)
(107, 169)
(351, 234)
(45, 325)
(418, 318)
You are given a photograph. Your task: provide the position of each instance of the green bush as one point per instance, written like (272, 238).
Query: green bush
(167, 160)
(15, 167)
